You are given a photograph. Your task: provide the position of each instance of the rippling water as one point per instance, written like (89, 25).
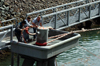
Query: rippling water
(87, 53)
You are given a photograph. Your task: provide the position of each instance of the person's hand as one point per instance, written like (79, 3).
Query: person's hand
(32, 33)
(36, 26)
(0, 21)
(31, 26)
(83, 29)
(21, 30)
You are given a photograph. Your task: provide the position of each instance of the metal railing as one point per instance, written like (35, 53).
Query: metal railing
(4, 33)
(56, 8)
(79, 15)
(9, 22)
(7, 31)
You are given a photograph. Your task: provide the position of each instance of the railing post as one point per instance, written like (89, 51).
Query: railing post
(55, 22)
(99, 9)
(11, 34)
(65, 14)
(42, 20)
(12, 59)
(68, 14)
(18, 59)
(89, 11)
(86, 6)
(79, 14)
(54, 10)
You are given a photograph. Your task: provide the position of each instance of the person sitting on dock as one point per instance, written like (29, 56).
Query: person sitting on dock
(36, 22)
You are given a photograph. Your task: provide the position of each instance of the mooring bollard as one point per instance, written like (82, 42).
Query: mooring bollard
(42, 36)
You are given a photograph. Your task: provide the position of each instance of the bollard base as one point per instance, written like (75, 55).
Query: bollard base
(41, 44)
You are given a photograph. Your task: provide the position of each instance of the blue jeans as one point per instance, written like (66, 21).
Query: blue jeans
(18, 35)
(34, 29)
(26, 36)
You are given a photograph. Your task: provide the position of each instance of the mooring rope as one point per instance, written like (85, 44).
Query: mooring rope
(89, 52)
(83, 30)
(60, 37)
(77, 31)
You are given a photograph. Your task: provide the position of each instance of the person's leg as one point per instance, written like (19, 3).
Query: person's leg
(34, 29)
(18, 36)
(24, 35)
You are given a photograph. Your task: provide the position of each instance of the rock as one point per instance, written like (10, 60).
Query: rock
(1, 8)
(3, 12)
(43, 0)
(2, 0)
(2, 19)
(6, 4)
(7, 8)
(38, 0)
(16, 8)
(1, 3)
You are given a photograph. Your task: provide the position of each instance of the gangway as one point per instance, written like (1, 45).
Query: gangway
(71, 20)
(56, 8)
(64, 16)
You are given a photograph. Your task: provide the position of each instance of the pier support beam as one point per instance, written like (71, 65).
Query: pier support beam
(28, 61)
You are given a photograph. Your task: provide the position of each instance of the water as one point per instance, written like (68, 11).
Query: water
(77, 56)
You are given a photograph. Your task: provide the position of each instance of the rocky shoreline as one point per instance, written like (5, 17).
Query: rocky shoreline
(19, 8)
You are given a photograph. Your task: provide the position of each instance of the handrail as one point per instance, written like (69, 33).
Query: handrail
(8, 20)
(13, 19)
(70, 9)
(9, 28)
(5, 27)
(39, 11)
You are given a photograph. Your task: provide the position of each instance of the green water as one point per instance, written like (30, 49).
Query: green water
(77, 56)
(80, 57)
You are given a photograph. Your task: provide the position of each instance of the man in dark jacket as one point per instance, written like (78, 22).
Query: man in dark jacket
(22, 31)
(19, 30)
